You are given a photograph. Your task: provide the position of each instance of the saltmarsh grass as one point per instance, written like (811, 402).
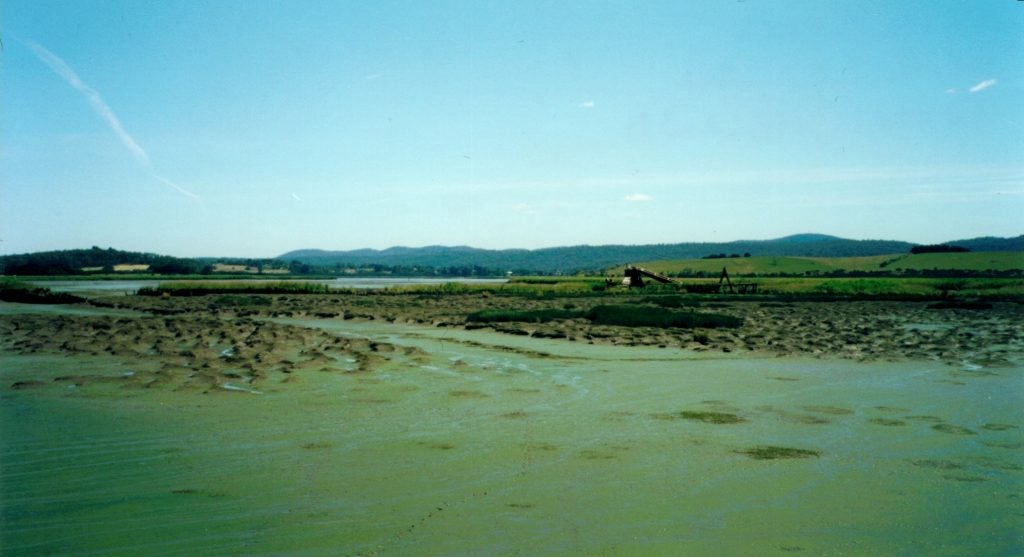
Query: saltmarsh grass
(525, 287)
(522, 316)
(201, 288)
(648, 316)
(632, 315)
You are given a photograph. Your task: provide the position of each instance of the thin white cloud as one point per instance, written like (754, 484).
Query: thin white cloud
(982, 86)
(62, 69)
(951, 91)
(296, 197)
(638, 197)
(586, 104)
(176, 187)
(373, 76)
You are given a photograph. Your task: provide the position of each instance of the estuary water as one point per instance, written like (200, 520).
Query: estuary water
(113, 287)
(500, 445)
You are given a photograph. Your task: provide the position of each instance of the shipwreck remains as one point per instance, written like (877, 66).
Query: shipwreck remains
(635, 277)
(723, 285)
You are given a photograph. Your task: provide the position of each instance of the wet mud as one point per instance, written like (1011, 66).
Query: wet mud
(857, 330)
(381, 425)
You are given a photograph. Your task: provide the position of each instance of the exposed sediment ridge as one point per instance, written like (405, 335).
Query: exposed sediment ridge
(217, 344)
(858, 330)
(192, 352)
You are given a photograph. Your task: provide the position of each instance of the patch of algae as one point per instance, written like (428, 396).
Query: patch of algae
(771, 452)
(712, 417)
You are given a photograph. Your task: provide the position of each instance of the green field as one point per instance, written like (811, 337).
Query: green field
(896, 263)
(801, 286)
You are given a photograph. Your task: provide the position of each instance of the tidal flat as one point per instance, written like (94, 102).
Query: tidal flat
(381, 425)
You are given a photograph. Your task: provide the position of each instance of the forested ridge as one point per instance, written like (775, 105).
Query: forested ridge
(467, 261)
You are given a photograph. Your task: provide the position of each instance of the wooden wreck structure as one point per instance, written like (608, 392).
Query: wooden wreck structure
(634, 278)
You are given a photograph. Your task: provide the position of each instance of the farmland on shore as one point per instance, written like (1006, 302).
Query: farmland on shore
(976, 262)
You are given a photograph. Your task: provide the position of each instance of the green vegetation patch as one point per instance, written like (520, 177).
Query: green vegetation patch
(647, 316)
(236, 300)
(998, 427)
(953, 429)
(202, 288)
(618, 315)
(771, 452)
(522, 316)
(672, 301)
(895, 264)
(886, 422)
(712, 417)
(12, 290)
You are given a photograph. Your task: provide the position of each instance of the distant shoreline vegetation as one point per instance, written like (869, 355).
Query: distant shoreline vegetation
(13, 290)
(797, 256)
(111, 264)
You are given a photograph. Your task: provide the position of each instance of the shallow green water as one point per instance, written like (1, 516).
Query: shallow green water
(506, 445)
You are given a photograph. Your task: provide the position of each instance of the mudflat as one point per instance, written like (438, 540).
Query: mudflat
(390, 424)
(860, 330)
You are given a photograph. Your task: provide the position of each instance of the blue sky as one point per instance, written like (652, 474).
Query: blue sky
(253, 128)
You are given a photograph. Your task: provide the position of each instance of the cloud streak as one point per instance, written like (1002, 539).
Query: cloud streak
(982, 86)
(177, 188)
(62, 69)
(638, 197)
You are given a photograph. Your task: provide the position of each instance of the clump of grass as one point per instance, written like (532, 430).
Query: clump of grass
(712, 417)
(771, 452)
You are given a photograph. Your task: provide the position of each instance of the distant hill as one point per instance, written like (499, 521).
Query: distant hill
(990, 243)
(79, 261)
(469, 261)
(573, 259)
(97, 260)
